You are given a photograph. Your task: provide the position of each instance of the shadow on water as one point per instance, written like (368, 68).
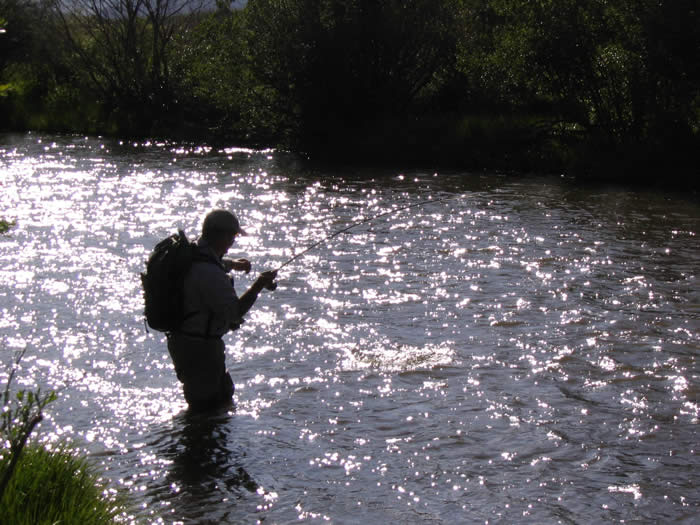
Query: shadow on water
(206, 477)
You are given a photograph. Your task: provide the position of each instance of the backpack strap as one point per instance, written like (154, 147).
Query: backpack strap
(199, 256)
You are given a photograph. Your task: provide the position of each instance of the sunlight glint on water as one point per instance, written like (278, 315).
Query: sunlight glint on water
(524, 352)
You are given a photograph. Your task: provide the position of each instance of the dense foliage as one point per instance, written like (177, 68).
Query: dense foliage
(512, 84)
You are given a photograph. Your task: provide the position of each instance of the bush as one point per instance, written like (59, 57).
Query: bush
(5, 225)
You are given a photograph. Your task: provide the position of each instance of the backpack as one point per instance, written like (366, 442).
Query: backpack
(163, 282)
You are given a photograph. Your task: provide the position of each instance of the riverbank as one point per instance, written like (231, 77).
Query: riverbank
(509, 144)
(58, 486)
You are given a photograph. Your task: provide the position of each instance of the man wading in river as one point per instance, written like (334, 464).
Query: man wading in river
(212, 308)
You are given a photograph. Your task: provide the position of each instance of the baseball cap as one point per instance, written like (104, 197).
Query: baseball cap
(222, 221)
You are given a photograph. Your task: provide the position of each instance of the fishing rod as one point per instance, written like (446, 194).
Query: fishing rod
(360, 223)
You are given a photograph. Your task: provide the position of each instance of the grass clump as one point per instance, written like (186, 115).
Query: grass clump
(57, 486)
(40, 485)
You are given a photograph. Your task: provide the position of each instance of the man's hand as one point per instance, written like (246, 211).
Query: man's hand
(236, 324)
(238, 265)
(267, 280)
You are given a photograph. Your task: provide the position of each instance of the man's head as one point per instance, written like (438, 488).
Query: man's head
(219, 229)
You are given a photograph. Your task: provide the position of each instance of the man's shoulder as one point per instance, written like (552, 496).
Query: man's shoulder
(205, 266)
(205, 277)
(203, 257)
(204, 254)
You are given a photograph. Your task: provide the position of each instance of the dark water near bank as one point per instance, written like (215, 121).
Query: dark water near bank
(526, 352)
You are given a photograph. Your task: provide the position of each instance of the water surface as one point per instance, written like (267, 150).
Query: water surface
(524, 351)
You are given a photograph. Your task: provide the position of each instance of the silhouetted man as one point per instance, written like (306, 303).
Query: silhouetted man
(212, 308)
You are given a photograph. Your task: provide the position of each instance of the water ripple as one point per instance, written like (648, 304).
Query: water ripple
(523, 352)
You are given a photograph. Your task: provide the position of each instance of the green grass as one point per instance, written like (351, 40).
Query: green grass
(57, 487)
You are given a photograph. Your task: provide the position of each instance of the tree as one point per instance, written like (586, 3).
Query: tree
(124, 47)
(21, 38)
(613, 67)
(210, 63)
(341, 63)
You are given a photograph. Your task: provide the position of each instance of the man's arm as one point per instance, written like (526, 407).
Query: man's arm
(239, 265)
(217, 293)
(245, 301)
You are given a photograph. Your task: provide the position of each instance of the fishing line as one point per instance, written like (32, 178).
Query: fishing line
(359, 223)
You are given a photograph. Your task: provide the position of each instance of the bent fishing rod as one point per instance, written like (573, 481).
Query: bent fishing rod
(360, 223)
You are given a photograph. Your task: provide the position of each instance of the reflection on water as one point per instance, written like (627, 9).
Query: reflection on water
(204, 465)
(523, 352)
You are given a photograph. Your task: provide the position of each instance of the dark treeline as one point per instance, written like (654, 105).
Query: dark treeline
(602, 88)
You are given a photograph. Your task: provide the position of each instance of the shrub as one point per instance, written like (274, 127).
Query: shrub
(5, 225)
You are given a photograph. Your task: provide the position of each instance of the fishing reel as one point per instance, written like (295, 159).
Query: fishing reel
(272, 285)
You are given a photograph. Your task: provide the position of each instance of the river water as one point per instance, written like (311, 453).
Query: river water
(524, 351)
